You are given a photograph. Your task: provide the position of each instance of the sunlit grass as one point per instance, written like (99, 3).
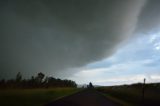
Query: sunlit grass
(32, 97)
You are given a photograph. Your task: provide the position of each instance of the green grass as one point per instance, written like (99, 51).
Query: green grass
(32, 97)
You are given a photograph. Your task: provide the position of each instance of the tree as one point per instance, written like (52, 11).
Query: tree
(18, 77)
(40, 77)
(36, 82)
(2, 83)
(90, 85)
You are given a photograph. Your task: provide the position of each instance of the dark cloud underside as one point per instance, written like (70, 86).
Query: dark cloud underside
(52, 36)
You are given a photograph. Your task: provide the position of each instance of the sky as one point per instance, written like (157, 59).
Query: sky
(106, 42)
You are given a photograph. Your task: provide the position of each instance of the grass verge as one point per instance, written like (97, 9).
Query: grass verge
(32, 97)
(131, 95)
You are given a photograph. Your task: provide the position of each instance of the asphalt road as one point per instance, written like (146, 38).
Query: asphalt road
(89, 97)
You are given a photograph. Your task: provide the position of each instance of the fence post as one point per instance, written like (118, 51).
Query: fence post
(143, 88)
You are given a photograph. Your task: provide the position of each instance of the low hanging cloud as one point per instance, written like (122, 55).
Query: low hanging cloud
(52, 36)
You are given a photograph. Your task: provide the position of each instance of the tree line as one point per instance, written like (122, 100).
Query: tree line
(38, 81)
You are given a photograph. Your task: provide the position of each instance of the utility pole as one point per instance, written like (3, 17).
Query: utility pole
(143, 88)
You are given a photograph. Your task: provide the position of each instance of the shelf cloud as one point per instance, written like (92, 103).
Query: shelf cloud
(52, 36)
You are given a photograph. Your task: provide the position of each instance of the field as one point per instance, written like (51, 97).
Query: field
(32, 97)
(129, 95)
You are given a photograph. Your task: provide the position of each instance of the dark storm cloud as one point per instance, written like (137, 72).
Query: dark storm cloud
(149, 20)
(52, 36)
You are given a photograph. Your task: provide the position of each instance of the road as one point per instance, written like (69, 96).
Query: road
(89, 97)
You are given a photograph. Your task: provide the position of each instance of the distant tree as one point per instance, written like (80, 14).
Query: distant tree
(40, 77)
(52, 82)
(36, 82)
(32, 82)
(90, 85)
(18, 77)
(2, 83)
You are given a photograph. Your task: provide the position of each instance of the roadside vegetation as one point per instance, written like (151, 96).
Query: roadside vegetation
(131, 95)
(36, 91)
(32, 97)
(38, 81)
